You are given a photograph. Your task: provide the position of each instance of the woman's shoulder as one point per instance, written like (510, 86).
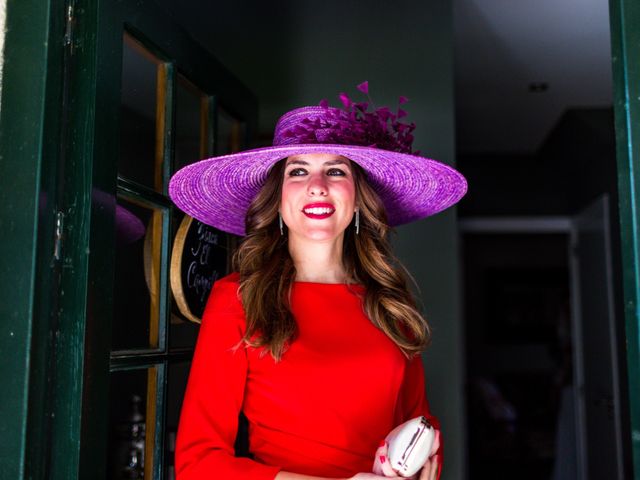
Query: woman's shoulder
(223, 313)
(232, 279)
(225, 293)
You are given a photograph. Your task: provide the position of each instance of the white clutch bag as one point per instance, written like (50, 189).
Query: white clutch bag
(409, 445)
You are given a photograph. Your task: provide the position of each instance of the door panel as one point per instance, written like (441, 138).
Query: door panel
(597, 386)
(30, 124)
(158, 99)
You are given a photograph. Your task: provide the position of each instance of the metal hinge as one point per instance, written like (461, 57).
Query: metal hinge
(57, 240)
(69, 28)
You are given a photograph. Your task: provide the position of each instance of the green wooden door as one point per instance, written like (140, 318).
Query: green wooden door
(30, 258)
(625, 36)
(101, 348)
(162, 102)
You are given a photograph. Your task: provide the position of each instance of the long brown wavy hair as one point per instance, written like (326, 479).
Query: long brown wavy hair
(267, 272)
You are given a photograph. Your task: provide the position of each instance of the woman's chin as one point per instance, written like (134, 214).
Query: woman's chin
(321, 235)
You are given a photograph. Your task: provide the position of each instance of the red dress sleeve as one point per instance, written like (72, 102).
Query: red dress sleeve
(413, 399)
(214, 396)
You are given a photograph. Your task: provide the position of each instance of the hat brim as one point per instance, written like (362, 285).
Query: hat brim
(218, 191)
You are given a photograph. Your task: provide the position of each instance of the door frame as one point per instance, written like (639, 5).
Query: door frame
(31, 109)
(624, 18)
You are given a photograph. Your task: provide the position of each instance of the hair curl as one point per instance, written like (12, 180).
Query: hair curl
(267, 272)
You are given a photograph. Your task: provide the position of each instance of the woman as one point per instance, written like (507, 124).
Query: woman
(316, 337)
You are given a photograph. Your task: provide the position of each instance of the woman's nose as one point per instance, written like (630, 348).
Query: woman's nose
(317, 186)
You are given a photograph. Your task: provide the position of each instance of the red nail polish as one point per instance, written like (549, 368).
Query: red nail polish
(382, 444)
(383, 459)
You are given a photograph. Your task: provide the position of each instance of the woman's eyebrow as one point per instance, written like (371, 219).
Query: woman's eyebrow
(337, 161)
(297, 162)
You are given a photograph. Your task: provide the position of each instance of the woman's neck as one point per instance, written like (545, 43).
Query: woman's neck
(317, 262)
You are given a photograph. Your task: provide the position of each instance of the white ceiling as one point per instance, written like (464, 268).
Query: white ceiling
(501, 46)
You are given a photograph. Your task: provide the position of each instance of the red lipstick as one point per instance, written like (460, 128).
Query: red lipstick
(318, 210)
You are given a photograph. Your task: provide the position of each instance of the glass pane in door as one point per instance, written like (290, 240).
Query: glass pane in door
(191, 124)
(192, 140)
(231, 133)
(142, 115)
(132, 419)
(177, 383)
(137, 283)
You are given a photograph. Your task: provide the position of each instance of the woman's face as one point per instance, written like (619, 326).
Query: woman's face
(318, 196)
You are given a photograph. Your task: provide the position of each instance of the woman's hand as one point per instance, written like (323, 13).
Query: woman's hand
(429, 471)
(432, 467)
(381, 464)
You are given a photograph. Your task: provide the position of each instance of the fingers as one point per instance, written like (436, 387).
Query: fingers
(381, 453)
(434, 459)
(430, 471)
(431, 468)
(432, 465)
(436, 444)
(387, 470)
(381, 464)
(427, 470)
(437, 456)
(438, 461)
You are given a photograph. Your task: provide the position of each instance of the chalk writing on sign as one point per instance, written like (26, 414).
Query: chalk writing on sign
(203, 259)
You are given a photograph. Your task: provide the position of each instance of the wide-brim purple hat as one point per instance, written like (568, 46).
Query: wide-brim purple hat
(218, 191)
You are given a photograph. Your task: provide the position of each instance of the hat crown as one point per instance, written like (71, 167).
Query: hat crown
(323, 125)
(293, 127)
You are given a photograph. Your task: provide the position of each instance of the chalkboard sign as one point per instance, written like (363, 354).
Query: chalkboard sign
(199, 257)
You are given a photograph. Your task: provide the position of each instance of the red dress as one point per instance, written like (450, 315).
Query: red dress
(322, 410)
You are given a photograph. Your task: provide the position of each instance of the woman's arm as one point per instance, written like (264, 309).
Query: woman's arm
(214, 396)
(413, 394)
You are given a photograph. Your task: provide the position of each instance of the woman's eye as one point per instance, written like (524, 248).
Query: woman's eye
(336, 172)
(296, 172)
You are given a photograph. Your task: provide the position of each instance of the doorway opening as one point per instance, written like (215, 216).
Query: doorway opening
(546, 372)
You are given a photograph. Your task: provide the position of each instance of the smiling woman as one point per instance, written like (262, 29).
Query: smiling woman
(316, 338)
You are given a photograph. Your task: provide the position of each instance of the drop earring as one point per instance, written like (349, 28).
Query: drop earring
(357, 221)
(280, 223)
